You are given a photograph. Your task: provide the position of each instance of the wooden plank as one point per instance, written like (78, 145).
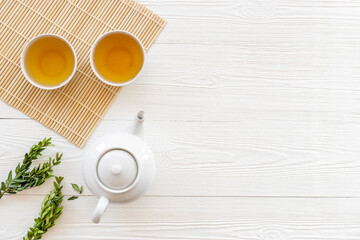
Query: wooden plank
(252, 22)
(228, 94)
(221, 158)
(191, 218)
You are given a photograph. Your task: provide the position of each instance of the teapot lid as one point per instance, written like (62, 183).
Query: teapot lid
(117, 169)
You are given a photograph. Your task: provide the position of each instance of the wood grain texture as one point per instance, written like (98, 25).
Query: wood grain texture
(183, 218)
(251, 110)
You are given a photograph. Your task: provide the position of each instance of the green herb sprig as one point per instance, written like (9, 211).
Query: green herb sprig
(77, 189)
(24, 177)
(51, 210)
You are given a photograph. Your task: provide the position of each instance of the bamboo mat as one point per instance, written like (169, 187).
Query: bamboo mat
(75, 109)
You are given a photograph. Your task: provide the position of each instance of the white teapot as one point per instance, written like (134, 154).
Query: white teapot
(119, 167)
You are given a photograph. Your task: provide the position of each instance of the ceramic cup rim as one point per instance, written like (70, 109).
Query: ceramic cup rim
(26, 48)
(93, 64)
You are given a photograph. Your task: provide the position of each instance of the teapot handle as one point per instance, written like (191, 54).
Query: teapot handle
(100, 209)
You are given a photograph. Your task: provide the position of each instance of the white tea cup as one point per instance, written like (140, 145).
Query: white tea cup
(117, 58)
(48, 61)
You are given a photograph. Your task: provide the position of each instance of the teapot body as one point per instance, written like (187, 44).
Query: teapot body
(118, 167)
(133, 145)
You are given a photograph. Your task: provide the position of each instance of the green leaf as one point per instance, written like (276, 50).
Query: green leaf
(75, 187)
(9, 176)
(17, 169)
(72, 198)
(59, 180)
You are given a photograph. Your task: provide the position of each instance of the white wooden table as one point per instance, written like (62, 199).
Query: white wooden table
(252, 110)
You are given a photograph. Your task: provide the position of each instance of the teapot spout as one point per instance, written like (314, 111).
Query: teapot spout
(136, 127)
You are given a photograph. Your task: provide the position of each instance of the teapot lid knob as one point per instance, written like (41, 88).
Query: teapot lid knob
(116, 170)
